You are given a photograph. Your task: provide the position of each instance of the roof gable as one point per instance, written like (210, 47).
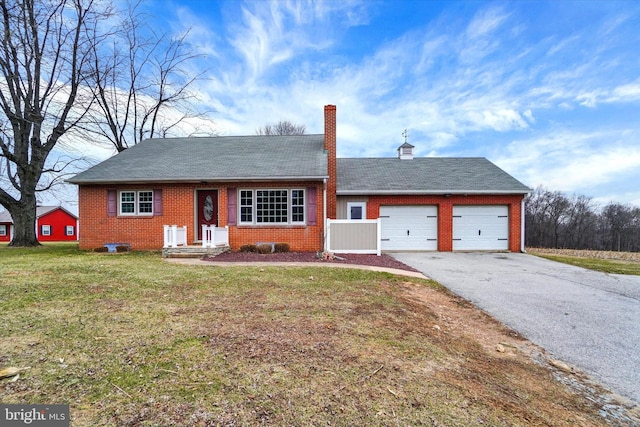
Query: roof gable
(425, 175)
(41, 211)
(198, 159)
(5, 216)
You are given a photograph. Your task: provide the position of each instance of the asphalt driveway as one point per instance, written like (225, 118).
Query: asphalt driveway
(588, 319)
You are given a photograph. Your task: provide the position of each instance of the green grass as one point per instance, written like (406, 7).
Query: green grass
(130, 340)
(603, 265)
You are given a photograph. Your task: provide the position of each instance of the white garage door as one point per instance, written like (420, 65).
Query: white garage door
(480, 228)
(406, 228)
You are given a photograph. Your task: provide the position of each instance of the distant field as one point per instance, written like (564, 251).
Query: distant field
(585, 253)
(605, 261)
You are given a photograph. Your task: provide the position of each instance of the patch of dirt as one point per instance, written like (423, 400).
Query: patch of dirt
(457, 317)
(356, 259)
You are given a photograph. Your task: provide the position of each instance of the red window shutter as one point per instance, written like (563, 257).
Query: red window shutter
(311, 205)
(112, 202)
(232, 210)
(157, 202)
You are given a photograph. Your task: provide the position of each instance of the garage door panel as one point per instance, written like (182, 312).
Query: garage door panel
(409, 227)
(480, 228)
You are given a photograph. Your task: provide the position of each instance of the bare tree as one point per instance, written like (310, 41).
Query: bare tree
(545, 216)
(43, 59)
(283, 127)
(581, 225)
(556, 221)
(618, 227)
(140, 83)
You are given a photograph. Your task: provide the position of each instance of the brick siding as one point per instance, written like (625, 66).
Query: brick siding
(179, 208)
(445, 213)
(332, 168)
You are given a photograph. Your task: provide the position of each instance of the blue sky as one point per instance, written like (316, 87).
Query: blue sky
(549, 91)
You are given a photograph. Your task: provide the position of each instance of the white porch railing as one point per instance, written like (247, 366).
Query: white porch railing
(353, 236)
(174, 236)
(214, 236)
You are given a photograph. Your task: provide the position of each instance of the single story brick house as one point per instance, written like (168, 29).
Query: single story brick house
(53, 224)
(283, 188)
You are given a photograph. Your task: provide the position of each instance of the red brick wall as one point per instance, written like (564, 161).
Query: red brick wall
(178, 208)
(445, 213)
(330, 147)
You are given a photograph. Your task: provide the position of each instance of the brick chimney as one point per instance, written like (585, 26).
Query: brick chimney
(330, 149)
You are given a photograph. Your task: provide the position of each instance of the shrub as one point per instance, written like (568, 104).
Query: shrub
(101, 249)
(248, 248)
(281, 247)
(122, 248)
(265, 248)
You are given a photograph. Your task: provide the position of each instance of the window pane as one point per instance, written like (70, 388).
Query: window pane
(356, 212)
(145, 202)
(127, 202)
(246, 206)
(272, 206)
(297, 205)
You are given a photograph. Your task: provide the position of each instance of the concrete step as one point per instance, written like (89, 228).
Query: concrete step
(193, 251)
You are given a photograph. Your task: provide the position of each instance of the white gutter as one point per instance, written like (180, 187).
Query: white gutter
(429, 192)
(192, 180)
(522, 222)
(324, 214)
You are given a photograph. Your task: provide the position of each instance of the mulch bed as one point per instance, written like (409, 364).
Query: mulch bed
(359, 259)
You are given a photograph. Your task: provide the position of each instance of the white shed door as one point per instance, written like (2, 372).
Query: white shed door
(406, 228)
(480, 228)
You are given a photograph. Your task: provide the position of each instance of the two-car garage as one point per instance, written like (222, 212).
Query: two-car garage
(474, 227)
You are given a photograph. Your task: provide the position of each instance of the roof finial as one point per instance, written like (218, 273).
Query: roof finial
(405, 134)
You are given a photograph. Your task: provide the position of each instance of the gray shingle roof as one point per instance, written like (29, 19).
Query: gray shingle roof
(425, 175)
(5, 216)
(213, 158)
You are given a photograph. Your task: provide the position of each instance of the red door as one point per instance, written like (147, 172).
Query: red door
(207, 209)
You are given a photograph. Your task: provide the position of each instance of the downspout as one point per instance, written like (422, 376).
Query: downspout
(324, 215)
(522, 222)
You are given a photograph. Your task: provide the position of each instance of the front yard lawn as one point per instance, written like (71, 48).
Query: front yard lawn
(130, 340)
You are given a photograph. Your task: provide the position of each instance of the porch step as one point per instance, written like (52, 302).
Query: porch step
(193, 251)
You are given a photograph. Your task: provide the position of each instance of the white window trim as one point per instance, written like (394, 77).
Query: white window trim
(69, 230)
(46, 227)
(254, 208)
(3, 229)
(136, 203)
(363, 205)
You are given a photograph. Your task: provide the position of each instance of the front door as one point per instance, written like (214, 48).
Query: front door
(207, 209)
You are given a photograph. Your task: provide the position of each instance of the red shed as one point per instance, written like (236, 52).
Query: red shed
(53, 224)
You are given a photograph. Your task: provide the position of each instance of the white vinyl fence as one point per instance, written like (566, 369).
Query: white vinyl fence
(353, 236)
(214, 236)
(174, 236)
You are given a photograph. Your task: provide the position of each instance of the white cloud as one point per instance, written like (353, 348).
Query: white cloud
(626, 93)
(460, 84)
(528, 114)
(574, 161)
(485, 22)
